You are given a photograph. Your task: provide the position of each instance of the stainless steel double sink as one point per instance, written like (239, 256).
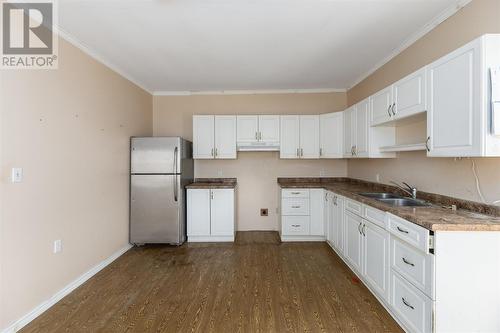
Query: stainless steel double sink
(395, 200)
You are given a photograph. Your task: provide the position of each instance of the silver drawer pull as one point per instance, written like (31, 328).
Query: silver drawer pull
(296, 225)
(295, 206)
(407, 262)
(402, 230)
(295, 192)
(407, 304)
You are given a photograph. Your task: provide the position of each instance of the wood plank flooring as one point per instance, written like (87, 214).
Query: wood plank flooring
(256, 284)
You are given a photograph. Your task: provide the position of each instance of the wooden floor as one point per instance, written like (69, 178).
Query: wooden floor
(256, 284)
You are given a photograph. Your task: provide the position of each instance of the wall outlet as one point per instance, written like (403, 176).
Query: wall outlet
(17, 175)
(57, 246)
(219, 173)
(264, 212)
(322, 173)
(377, 178)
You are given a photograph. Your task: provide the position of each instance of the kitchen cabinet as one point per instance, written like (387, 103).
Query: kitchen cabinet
(203, 137)
(349, 117)
(353, 240)
(331, 135)
(214, 137)
(459, 120)
(381, 104)
(210, 215)
(299, 137)
(335, 221)
(361, 148)
(376, 258)
(263, 129)
(302, 215)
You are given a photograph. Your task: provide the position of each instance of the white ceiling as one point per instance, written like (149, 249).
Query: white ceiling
(214, 45)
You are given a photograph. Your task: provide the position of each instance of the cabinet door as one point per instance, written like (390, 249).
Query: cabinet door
(247, 129)
(339, 224)
(453, 116)
(317, 211)
(376, 258)
(289, 137)
(361, 147)
(348, 132)
(331, 135)
(225, 137)
(309, 136)
(198, 212)
(410, 95)
(329, 210)
(269, 128)
(203, 137)
(353, 240)
(222, 212)
(381, 106)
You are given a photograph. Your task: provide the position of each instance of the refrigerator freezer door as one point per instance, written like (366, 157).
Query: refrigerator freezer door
(156, 209)
(155, 155)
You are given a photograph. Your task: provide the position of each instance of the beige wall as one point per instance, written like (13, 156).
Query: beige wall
(439, 175)
(69, 130)
(256, 171)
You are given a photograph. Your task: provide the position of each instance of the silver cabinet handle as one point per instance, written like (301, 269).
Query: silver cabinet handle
(295, 225)
(321, 152)
(326, 196)
(389, 110)
(407, 304)
(407, 262)
(427, 143)
(392, 108)
(216, 152)
(212, 152)
(402, 230)
(295, 192)
(212, 195)
(260, 136)
(295, 206)
(359, 228)
(301, 152)
(298, 152)
(355, 150)
(363, 230)
(256, 136)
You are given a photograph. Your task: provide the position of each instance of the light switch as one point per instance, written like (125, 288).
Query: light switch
(57, 246)
(17, 175)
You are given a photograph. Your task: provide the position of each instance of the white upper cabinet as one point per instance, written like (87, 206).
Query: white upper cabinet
(289, 137)
(361, 148)
(225, 137)
(381, 106)
(331, 135)
(309, 136)
(459, 119)
(299, 137)
(247, 129)
(203, 137)
(410, 95)
(269, 129)
(349, 117)
(214, 137)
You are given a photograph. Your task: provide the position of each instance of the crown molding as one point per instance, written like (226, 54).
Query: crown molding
(447, 13)
(249, 92)
(97, 56)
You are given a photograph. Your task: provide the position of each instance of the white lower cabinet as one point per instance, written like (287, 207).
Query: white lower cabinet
(353, 240)
(210, 215)
(303, 215)
(376, 258)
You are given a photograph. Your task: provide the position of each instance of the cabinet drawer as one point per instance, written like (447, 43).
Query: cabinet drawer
(415, 266)
(409, 232)
(376, 216)
(295, 206)
(294, 193)
(354, 206)
(295, 225)
(410, 305)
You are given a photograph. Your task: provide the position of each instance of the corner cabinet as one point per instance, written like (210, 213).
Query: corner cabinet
(210, 215)
(459, 119)
(214, 137)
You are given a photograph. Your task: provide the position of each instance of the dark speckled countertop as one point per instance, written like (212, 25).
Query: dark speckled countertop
(213, 183)
(470, 216)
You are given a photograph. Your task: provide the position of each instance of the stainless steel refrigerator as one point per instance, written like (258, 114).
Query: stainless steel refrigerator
(160, 169)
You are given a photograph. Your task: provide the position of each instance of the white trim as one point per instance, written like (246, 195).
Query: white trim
(94, 54)
(447, 13)
(285, 238)
(210, 239)
(248, 92)
(27, 318)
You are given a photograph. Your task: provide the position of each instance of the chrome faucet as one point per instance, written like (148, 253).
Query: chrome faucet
(411, 190)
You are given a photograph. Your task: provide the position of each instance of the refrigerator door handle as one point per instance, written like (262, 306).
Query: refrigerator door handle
(175, 174)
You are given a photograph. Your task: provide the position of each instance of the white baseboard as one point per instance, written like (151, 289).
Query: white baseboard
(27, 318)
(285, 238)
(210, 239)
